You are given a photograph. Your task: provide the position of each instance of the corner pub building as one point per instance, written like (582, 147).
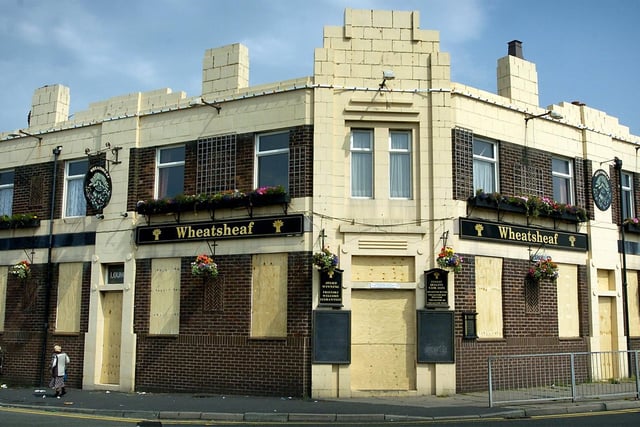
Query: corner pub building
(383, 160)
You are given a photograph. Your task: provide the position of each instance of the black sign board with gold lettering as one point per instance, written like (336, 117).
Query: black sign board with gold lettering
(330, 289)
(280, 226)
(436, 286)
(509, 233)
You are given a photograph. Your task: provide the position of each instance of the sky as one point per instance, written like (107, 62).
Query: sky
(584, 50)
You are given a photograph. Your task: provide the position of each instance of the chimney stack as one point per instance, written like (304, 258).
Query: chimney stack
(515, 49)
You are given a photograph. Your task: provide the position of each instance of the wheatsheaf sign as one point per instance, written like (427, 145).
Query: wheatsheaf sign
(281, 226)
(508, 233)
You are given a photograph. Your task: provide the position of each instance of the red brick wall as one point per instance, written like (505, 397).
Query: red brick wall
(523, 332)
(214, 352)
(24, 326)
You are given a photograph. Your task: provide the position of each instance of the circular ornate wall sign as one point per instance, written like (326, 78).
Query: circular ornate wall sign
(601, 189)
(97, 187)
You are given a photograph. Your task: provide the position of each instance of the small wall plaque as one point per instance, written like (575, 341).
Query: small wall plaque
(436, 288)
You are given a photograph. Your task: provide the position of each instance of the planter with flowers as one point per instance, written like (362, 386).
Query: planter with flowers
(269, 195)
(204, 266)
(544, 268)
(326, 261)
(632, 225)
(21, 270)
(448, 259)
(533, 206)
(19, 221)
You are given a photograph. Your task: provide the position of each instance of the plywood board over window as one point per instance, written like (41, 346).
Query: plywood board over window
(269, 296)
(634, 303)
(489, 297)
(69, 297)
(165, 297)
(383, 269)
(4, 271)
(568, 313)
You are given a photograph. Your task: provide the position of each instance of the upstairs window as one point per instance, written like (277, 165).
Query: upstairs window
(75, 203)
(170, 172)
(485, 166)
(400, 164)
(6, 192)
(362, 163)
(627, 195)
(562, 180)
(272, 160)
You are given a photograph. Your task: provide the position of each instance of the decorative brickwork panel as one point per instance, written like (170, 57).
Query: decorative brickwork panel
(301, 161)
(462, 140)
(216, 160)
(32, 189)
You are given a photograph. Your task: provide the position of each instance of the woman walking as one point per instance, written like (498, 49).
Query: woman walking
(59, 362)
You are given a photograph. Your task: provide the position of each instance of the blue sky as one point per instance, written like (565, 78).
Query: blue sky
(585, 50)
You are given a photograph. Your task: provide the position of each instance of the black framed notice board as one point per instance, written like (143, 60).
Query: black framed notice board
(435, 336)
(332, 336)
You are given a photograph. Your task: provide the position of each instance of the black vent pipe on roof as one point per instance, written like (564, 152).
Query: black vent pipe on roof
(515, 49)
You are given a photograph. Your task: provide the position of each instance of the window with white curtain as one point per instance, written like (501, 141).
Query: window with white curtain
(6, 192)
(362, 163)
(400, 164)
(627, 195)
(75, 203)
(485, 166)
(170, 172)
(272, 160)
(562, 180)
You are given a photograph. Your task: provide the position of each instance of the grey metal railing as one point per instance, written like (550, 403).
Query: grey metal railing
(562, 376)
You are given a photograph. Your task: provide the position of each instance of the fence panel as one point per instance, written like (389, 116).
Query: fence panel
(562, 376)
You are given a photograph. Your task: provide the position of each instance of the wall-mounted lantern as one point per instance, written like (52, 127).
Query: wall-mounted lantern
(469, 325)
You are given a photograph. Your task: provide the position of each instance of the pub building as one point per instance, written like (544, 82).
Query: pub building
(170, 240)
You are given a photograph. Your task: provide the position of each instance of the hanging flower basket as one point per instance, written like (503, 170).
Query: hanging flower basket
(449, 259)
(204, 266)
(21, 270)
(544, 268)
(325, 261)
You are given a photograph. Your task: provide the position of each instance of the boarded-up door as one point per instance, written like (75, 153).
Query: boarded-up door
(383, 342)
(112, 326)
(609, 362)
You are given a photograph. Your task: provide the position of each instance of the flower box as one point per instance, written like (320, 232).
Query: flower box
(632, 227)
(269, 199)
(481, 202)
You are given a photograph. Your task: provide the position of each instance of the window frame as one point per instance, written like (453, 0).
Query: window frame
(358, 150)
(627, 195)
(68, 179)
(493, 161)
(568, 177)
(408, 174)
(258, 154)
(5, 187)
(167, 165)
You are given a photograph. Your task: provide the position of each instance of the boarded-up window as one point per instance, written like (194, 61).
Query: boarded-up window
(165, 297)
(4, 271)
(568, 313)
(69, 297)
(489, 297)
(634, 306)
(269, 296)
(383, 269)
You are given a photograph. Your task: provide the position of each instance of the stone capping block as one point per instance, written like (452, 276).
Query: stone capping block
(619, 405)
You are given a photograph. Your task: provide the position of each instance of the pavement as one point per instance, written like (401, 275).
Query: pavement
(213, 407)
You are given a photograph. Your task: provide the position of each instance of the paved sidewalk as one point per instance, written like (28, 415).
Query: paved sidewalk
(165, 406)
